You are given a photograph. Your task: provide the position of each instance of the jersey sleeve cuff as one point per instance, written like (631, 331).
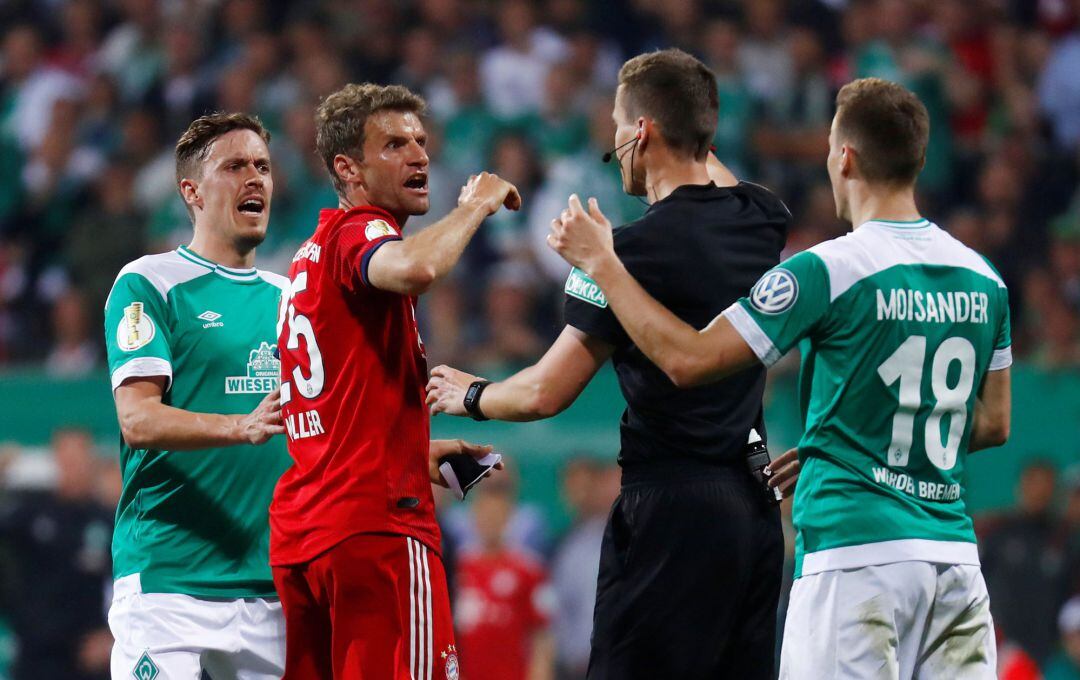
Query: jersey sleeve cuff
(143, 367)
(1002, 359)
(368, 252)
(751, 332)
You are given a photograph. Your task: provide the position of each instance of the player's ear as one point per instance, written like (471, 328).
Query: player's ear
(189, 191)
(348, 169)
(644, 131)
(847, 161)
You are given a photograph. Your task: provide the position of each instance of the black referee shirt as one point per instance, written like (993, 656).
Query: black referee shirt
(697, 251)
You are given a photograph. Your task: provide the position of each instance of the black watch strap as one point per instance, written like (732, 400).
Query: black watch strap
(472, 399)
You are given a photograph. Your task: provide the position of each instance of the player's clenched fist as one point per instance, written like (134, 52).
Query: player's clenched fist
(489, 192)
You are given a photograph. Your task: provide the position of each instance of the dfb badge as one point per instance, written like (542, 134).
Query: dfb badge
(136, 329)
(377, 229)
(775, 292)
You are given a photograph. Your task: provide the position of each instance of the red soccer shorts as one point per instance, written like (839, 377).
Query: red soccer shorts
(373, 607)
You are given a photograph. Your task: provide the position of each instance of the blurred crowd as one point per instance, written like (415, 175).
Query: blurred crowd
(522, 593)
(94, 93)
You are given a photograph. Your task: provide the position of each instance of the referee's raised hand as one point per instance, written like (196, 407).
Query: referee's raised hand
(582, 238)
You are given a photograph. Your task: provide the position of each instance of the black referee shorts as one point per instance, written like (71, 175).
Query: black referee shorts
(690, 573)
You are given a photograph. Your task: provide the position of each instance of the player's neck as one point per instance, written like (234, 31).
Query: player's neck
(882, 204)
(357, 197)
(220, 251)
(670, 173)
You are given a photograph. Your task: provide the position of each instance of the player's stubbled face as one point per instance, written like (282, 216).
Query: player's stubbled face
(236, 187)
(395, 165)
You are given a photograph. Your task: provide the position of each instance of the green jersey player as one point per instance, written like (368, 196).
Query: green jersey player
(192, 338)
(904, 333)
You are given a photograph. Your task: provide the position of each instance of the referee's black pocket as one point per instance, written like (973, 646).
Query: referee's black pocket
(619, 533)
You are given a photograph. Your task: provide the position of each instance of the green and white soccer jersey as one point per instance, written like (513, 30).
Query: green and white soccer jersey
(195, 522)
(899, 324)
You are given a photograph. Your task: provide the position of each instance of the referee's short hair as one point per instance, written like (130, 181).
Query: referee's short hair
(887, 126)
(679, 93)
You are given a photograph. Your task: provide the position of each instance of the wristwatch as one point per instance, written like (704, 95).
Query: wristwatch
(472, 399)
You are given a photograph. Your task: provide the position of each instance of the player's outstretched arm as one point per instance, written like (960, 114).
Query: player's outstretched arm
(412, 265)
(993, 417)
(542, 390)
(146, 423)
(689, 357)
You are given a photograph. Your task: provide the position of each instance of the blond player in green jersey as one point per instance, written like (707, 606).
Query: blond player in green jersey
(906, 350)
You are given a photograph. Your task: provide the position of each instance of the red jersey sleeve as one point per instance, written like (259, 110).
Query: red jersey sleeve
(353, 244)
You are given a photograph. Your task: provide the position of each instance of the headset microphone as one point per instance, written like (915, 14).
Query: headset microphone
(610, 154)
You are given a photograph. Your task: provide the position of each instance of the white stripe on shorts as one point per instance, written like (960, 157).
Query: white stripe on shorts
(421, 626)
(427, 607)
(412, 611)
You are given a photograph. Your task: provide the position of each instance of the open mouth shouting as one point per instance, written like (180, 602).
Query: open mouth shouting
(252, 205)
(417, 183)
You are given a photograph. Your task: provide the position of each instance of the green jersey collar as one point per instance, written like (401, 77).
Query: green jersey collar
(221, 270)
(892, 224)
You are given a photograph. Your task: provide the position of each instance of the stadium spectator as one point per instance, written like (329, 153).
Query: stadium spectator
(504, 604)
(73, 354)
(108, 232)
(1013, 662)
(1022, 560)
(131, 52)
(1071, 520)
(586, 174)
(720, 44)
(1059, 92)
(589, 489)
(1065, 664)
(513, 73)
(526, 530)
(57, 543)
(34, 87)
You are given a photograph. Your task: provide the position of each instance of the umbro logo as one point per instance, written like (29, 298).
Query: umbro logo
(211, 319)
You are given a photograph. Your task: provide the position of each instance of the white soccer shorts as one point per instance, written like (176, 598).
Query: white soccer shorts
(901, 621)
(165, 636)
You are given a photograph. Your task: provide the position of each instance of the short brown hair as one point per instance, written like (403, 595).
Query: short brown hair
(340, 119)
(887, 125)
(194, 145)
(678, 92)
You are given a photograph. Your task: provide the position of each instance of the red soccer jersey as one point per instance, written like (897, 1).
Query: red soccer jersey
(352, 389)
(503, 600)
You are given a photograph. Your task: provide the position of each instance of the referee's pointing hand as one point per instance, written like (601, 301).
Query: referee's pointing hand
(582, 238)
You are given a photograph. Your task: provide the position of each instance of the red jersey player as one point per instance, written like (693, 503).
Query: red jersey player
(503, 605)
(354, 544)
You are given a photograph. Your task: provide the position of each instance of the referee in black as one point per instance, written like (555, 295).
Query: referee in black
(691, 562)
